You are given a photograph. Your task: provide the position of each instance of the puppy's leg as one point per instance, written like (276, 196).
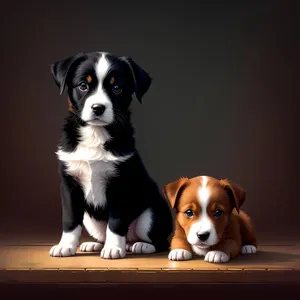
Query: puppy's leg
(154, 228)
(115, 243)
(72, 210)
(223, 251)
(132, 237)
(228, 247)
(249, 241)
(96, 229)
(162, 224)
(180, 248)
(138, 232)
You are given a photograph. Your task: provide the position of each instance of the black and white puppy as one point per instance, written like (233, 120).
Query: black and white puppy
(104, 184)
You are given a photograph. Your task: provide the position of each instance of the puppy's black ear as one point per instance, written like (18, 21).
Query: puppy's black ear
(141, 78)
(174, 189)
(236, 194)
(61, 69)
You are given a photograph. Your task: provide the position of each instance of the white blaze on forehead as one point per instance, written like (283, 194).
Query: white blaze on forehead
(204, 223)
(203, 194)
(203, 197)
(102, 68)
(99, 97)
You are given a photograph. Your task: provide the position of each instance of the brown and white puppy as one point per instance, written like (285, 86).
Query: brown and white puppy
(209, 221)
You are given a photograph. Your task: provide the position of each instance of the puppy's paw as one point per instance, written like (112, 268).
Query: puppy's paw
(112, 252)
(91, 247)
(63, 250)
(216, 257)
(180, 254)
(248, 249)
(128, 247)
(140, 247)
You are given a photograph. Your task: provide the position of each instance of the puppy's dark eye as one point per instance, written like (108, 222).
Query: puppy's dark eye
(218, 213)
(83, 86)
(116, 89)
(189, 213)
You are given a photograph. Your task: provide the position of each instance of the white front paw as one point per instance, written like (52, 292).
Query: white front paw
(112, 252)
(248, 249)
(63, 250)
(180, 254)
(216, 257)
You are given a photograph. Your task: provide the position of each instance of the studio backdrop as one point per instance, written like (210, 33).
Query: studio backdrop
(224, 100)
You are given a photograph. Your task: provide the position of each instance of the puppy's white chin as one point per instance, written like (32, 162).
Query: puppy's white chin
(97, 123)
(202, 246)
(200, 250)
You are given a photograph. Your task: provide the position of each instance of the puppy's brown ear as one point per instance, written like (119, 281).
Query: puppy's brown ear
(235, 193)
(174, 189)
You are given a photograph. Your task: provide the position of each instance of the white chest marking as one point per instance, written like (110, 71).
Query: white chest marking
(91, 165)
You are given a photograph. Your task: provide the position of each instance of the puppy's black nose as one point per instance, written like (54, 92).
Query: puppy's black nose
(203, 236)
(98, 109)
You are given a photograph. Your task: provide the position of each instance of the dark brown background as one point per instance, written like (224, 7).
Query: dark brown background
(224, 100)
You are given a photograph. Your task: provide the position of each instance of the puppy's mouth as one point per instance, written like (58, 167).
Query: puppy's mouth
(201, 246)
(96, 122)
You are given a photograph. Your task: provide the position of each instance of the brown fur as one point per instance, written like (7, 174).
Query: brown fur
(112, 80)
(234, 228)
(71, 108)
(89, 79)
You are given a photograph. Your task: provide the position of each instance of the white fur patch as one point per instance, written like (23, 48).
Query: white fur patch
(216, 257)
(204, 192)
(180, 254)
(68, 243)
(204, 224)
(96, 229)
(99, 97)
(115, 246)
(91, 164)
(248, 249)
(200, 251)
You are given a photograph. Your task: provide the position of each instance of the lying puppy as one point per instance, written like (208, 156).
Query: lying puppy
(104, 184)
(208, 220)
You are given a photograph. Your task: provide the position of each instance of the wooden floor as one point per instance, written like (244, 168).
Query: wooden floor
(32, 264)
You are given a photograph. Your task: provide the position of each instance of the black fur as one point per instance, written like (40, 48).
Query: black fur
(132, 191)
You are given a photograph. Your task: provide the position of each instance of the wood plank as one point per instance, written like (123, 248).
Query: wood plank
(49, 240)
(33, 264)
(68, 276)
(267, 257)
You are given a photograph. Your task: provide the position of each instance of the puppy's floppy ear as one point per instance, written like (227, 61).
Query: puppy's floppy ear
(174, 189)
(141, 78)
(61, 69)
(235, 193)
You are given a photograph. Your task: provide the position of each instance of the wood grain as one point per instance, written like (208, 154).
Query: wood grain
(33, 264)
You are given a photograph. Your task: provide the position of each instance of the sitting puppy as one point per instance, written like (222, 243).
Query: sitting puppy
(104, 183)
(208, 220)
